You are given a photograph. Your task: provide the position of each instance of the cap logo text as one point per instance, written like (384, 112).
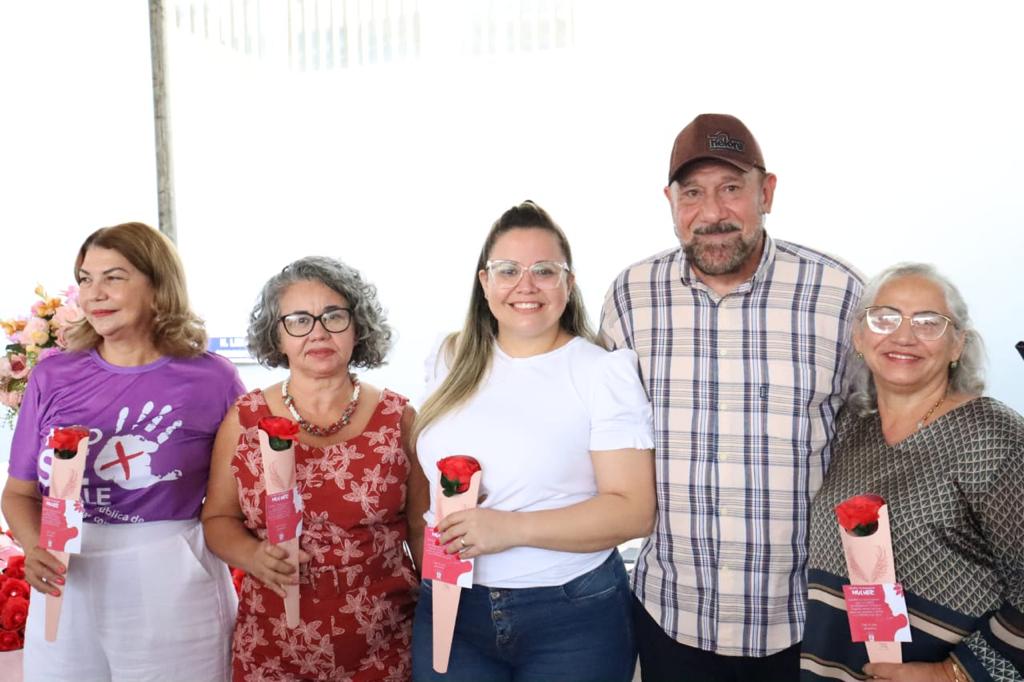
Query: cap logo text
(723, 141)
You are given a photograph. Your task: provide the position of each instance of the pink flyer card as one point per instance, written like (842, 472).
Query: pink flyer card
(284, 516)
(877, 613)
(441, 566)
(61, 525)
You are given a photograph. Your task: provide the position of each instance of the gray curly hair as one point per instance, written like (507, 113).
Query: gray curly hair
(969, 374)
(373, 333)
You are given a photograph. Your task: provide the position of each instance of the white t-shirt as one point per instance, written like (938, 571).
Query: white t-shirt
(532, 424)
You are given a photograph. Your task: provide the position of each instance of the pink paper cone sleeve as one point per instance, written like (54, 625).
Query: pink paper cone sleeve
(65, 483)
(869, 561)
(446, 595)
(279, 476)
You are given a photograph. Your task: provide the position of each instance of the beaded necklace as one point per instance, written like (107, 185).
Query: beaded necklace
(921, 422)
(322, 431)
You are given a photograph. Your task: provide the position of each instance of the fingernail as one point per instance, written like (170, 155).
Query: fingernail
(56, 593)
(437, 542)
(60, 581)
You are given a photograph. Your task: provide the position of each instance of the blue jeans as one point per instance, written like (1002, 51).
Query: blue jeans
(581, 631)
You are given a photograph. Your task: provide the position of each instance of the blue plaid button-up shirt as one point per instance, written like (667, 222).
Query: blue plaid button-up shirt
(745, 389)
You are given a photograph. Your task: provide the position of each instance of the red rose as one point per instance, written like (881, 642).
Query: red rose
(456, 472)
(15, 567)
(280, 431)
(859, 514)
(65, 441)
(10, 641)
(237, 576)
(13, 587)
(14, 613)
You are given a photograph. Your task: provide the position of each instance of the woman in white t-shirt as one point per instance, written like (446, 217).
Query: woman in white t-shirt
(562, 430)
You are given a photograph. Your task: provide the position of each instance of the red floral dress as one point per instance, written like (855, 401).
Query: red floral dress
(356, 593)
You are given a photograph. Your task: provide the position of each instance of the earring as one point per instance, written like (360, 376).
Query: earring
(860, 356)
(954, 364)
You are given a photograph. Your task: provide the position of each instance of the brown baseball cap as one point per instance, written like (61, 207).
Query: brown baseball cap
(715, 136)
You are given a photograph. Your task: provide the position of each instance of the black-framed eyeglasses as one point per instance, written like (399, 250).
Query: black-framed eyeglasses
(546, 274)
(926, 326)
(335, 320)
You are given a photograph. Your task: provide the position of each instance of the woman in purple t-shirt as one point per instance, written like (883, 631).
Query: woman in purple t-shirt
(144, 597)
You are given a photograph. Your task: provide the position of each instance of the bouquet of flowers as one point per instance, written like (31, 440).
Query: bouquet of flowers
(14, 593)
(33, 339)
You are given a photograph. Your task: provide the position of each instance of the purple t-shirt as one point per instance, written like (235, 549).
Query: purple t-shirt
(152, 430)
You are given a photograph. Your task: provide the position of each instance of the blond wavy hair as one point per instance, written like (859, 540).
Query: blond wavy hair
(176, 330)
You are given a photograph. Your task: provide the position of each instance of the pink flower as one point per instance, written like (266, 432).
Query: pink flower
(65, 316)
(71, 295)
(36, 332)
(19, 365)
(11, 399)
(5, 367)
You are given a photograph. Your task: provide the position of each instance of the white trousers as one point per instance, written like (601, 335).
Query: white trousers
(142, 602)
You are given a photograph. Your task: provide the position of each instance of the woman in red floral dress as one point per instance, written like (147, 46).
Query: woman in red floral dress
(354, 473)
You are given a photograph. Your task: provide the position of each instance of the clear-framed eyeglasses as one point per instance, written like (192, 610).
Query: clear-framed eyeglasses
(926, 326)
(335, 320)
(546, 274)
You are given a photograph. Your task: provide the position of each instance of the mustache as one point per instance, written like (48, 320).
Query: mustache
(717, 228)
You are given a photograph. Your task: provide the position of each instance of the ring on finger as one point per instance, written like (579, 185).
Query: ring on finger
(44, 579)
(462, 542)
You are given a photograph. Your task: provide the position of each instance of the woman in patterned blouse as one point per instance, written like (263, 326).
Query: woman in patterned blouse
(355, 472)
(948, 463)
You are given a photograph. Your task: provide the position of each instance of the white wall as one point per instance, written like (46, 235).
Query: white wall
(894, 129)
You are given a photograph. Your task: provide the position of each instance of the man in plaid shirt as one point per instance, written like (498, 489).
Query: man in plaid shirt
(743, 343)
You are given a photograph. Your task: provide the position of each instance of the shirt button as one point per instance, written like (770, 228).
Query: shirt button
(495, 594)
(726, 511)
(723, 351)
(724, 407)
(722, 456)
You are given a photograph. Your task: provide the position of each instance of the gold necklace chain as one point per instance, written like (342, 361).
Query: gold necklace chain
(928, 415)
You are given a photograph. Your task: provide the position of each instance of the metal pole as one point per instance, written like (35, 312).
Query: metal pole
(162, 121)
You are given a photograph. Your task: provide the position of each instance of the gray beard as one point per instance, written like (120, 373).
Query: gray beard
(721, 258)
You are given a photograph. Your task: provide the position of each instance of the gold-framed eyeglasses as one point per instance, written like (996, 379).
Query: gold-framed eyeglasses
(334, 320)
(546, 274)
(926, 325)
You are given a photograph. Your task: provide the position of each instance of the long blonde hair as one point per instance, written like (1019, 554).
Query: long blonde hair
(176, 330)
(469, 352)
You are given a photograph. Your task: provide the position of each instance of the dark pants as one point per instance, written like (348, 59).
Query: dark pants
(577, 632)
(662, 659)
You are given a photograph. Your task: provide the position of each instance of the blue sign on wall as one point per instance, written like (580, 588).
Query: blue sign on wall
(234, 348)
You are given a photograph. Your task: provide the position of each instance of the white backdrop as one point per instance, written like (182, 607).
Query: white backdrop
(894, 129)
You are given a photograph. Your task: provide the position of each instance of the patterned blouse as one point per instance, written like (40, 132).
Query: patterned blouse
(357, 594)
(955, 491)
